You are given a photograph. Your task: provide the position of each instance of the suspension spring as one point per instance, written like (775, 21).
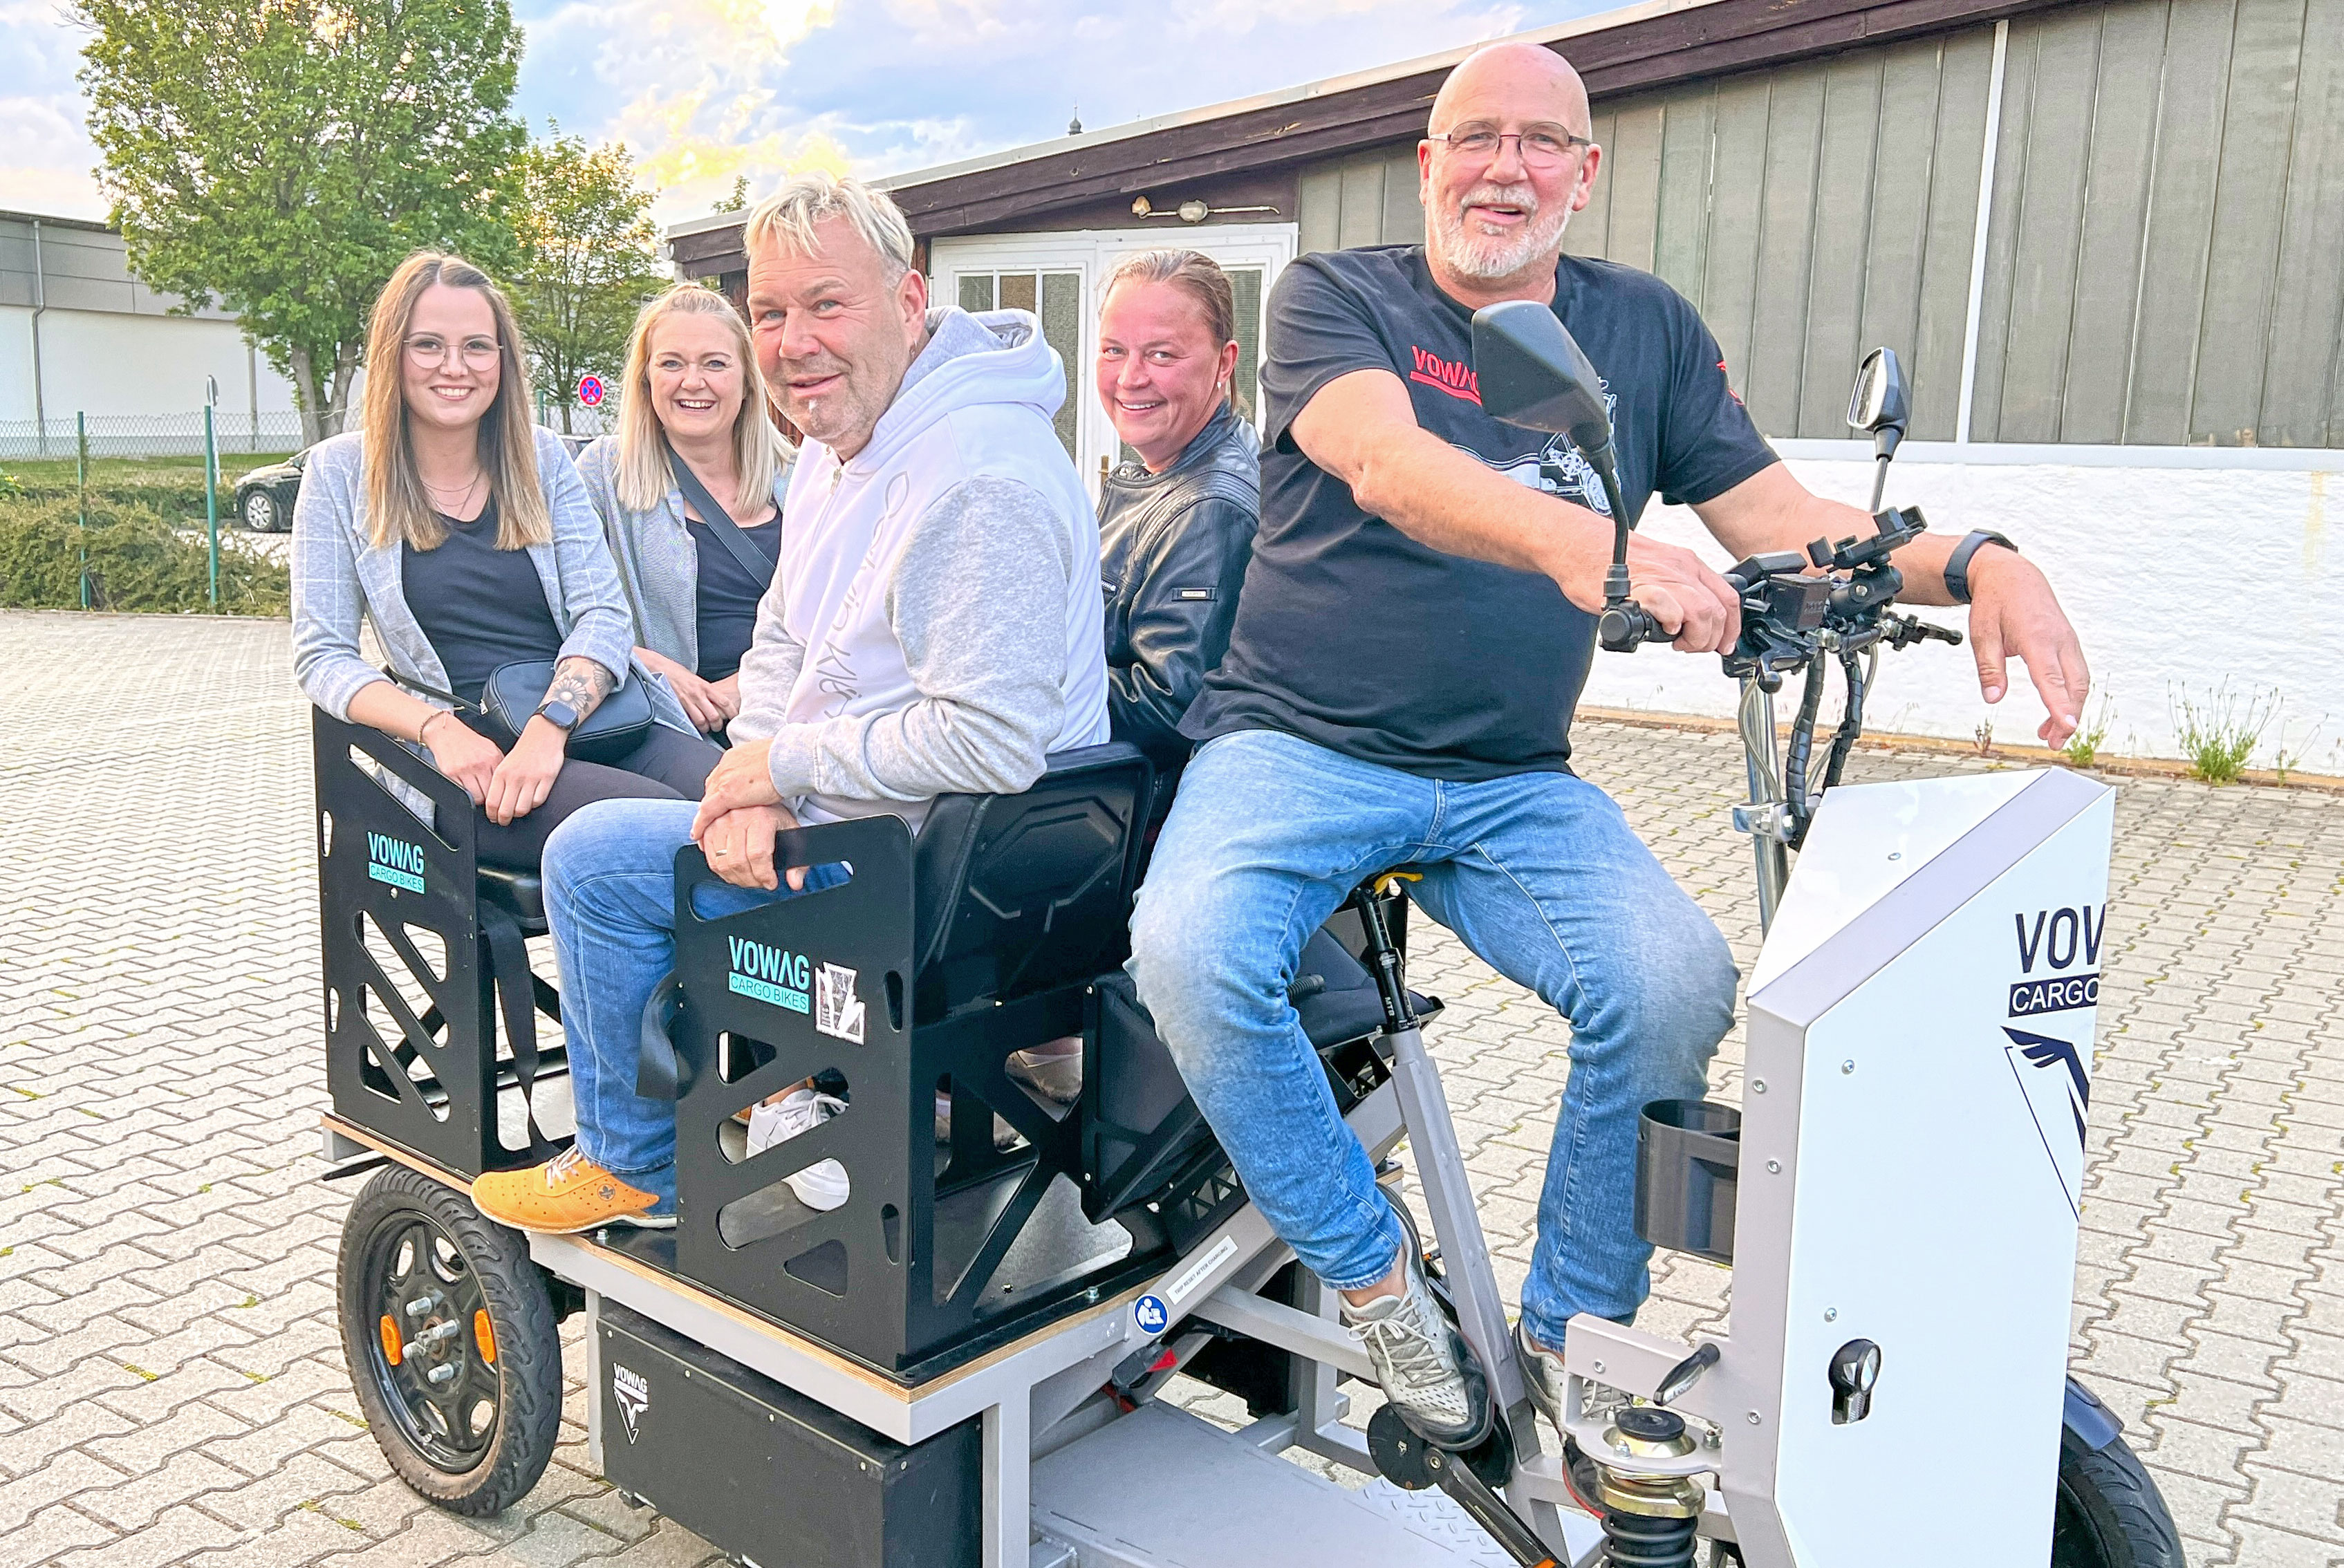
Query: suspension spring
(1639, 1541)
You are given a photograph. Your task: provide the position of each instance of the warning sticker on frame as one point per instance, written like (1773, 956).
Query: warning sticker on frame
(837, 1010)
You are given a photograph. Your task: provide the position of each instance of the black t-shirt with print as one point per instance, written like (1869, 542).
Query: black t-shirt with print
(1354, 636)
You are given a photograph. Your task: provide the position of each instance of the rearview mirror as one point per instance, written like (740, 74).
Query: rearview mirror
(1878, 402)
(1532, 374)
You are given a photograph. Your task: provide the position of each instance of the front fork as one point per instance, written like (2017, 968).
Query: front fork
(1767, 816)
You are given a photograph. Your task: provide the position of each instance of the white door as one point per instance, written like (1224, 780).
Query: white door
(1055, 277)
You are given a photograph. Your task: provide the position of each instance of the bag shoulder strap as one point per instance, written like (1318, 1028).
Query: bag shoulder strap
(427, 689)
(744, 550)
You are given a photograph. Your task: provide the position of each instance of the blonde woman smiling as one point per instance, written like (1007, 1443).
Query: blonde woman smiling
(461, 530)
(692, 419)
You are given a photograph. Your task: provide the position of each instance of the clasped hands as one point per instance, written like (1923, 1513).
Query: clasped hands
(508, 785)
(741, 815)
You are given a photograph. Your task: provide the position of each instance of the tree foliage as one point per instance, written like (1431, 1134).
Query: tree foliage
(280, 157)
(588, 258)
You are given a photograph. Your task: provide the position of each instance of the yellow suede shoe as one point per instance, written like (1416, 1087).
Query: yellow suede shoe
(568, 1193)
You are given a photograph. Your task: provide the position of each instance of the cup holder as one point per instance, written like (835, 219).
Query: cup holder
(1688, 1168)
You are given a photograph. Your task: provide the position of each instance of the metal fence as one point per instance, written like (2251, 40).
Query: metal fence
(182, 435)
(150, 435)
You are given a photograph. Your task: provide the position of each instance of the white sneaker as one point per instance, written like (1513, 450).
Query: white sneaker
(822, 1185)
(1421, 1361)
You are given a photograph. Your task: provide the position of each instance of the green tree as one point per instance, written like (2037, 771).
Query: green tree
(281, 157)
(588, 258)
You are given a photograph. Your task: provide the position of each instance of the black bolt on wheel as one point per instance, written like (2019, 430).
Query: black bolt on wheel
(452, 1344)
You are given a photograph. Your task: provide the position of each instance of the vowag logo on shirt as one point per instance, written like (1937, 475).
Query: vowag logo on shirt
(1557, 468)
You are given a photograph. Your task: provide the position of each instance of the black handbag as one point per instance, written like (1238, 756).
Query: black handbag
(619, 724)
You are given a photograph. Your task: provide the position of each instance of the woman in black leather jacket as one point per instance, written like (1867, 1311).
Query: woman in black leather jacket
(1175, 526)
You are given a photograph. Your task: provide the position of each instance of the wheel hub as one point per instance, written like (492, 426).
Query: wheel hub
(434, 1359)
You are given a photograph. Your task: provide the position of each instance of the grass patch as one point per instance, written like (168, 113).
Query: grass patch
(2219, 731)
(137, 559)
(2083, 747)
(175, 485)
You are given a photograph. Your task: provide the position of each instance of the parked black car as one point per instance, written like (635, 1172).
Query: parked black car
(265, 496)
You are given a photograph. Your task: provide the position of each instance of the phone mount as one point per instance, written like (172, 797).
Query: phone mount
(1532, 374)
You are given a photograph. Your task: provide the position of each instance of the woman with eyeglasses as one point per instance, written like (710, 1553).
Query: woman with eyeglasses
(461, 530)
(694, 434)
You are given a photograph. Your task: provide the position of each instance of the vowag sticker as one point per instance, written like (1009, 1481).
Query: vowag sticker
(634, 1393)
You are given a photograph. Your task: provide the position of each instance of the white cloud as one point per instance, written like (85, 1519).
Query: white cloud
(706, 90)
(49, 157)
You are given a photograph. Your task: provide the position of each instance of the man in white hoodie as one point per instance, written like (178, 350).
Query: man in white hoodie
(933, 628)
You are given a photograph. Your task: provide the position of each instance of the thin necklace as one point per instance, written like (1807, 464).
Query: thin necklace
(462, 496)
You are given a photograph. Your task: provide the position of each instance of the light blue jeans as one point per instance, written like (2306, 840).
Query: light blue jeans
(610, 899)
(1537, 872)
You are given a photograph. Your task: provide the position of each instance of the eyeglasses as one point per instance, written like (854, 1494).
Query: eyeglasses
(1539, 148)
(430, 348)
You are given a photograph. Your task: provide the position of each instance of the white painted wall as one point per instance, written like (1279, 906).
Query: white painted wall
(112, 363)
(2176, 573)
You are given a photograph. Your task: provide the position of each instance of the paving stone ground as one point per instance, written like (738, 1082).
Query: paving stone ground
(172, 1389)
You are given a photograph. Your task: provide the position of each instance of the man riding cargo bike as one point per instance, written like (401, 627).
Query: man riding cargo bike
(984, 1322)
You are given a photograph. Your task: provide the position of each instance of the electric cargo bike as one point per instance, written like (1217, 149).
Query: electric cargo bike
(965, 1362)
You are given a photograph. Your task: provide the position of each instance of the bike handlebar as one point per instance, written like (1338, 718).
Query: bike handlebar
(1624, 626)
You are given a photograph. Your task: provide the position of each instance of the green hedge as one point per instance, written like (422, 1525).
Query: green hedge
(136, 557)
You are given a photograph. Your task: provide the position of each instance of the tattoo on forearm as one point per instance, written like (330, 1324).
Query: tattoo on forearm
(580, 683)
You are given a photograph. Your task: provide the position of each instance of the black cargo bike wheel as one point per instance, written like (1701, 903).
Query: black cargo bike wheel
(2109, 1513)
(452, 1344)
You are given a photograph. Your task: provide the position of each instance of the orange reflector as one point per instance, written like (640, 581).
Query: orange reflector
(389, 1340)
(486, 1335)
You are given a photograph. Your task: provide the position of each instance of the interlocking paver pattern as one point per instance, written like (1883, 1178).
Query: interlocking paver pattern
(171, 1380)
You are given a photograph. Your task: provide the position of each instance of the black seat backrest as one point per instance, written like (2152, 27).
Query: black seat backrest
(1016, 893)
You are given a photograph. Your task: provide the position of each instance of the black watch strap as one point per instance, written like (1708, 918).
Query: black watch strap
(558, 712)
(1957, 565)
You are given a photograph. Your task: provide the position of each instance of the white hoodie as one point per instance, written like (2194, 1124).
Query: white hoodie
(934, 626)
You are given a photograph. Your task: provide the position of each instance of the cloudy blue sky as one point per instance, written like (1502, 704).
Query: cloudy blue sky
(704, 90)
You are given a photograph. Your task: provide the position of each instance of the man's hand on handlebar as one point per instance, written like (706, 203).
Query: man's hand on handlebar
(739, 846)
(1674, 588)
(2014, 612)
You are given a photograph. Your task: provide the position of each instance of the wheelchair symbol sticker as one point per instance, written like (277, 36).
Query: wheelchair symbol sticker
(837, 1010)
(1150, 1314)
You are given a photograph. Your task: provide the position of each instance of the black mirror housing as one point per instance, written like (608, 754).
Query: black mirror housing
(1881, 402)
(1532, 374)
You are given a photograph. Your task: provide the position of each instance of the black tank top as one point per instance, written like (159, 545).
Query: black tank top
(479, 606)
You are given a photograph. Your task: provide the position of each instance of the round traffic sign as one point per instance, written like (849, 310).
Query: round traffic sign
(590, 391)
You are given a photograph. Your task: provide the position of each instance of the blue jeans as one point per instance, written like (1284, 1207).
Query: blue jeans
(610, 898)
(1537, 872)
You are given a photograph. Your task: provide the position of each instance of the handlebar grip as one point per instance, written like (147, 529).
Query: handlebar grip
(1621, 627)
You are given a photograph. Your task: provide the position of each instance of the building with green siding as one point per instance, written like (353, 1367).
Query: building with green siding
(2106, 237)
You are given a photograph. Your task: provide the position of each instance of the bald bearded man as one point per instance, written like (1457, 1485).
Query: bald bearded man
(1411, 639)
